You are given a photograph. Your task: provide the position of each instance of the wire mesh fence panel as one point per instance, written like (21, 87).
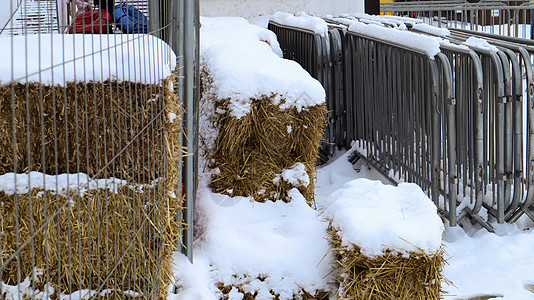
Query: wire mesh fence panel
(89, 153)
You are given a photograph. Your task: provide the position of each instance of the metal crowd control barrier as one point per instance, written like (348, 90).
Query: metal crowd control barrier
(415, 95)
(511, 161)
(519, 113)
(321, 57)
(461, 125)
(468, 94)
(503, 17)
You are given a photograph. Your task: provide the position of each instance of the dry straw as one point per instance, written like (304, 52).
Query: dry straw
(84, 127)
(253, 150)
(121, 241)
(388, 276)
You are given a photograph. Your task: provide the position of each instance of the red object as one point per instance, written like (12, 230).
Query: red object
(96, 21)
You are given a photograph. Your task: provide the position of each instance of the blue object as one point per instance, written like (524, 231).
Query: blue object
(129, 19)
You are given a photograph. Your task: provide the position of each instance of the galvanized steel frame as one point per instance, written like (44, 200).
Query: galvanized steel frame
(468, 15)
(463, 147)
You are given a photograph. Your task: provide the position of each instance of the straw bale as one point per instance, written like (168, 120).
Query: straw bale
(128, 235)
(251, 151)
(389, 276)
(83, 127)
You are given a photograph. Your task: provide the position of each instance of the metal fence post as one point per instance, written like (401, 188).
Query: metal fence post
(190, 100)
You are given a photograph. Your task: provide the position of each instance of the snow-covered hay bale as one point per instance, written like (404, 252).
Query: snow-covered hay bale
(88, 234)
(387, 241)
(79, 116)
(108, 112)
(262, 116)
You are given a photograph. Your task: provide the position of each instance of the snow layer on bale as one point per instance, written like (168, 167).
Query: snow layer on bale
(426, 44)
(63, 184)
(244, 63)
(377, 217)
(241, 240)
(442, 32)
(302, 20)
(480, 43)
(65, 58)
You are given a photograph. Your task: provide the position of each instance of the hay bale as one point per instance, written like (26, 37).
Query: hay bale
(115, 232)
(387, 239)
(388, 276)
(133, 228)
(251, 152)
(82, 127)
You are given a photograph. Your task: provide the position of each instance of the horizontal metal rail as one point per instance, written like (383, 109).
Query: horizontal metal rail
(501, 17)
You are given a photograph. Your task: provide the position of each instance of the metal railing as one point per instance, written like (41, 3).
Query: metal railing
(321, 57)
(512, 18)
(91, 177)
(459, 125)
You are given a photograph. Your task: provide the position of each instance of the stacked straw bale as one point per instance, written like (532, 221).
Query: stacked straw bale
(388, 276)
(103, 117)
(252, 151)
(95, 239)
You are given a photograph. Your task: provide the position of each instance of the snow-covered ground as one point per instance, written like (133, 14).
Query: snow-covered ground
(286, 240)
(281, 248)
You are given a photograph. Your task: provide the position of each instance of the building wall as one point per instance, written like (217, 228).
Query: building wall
(254, 8)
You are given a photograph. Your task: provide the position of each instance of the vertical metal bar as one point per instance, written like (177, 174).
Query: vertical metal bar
(435, 136)
(446, 79)
(191, 48)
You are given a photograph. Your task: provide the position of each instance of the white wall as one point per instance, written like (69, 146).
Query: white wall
(253, 8)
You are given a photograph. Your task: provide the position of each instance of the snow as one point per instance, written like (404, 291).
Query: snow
(296, 175)
(171, 116)
(245, 64)
(25, 289)
(426, 44)
(442, 32)
(480, 43)
(240, 237)
(377, 20)
(277, 246)
(63, 184)
(258, 246)
(490, 264)
(302, 20)
(254, 8)
(377, 217)
(281, 246)
(64, 58)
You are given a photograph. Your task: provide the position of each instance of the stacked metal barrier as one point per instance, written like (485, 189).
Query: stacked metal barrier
(460, 125)
(510, 18)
